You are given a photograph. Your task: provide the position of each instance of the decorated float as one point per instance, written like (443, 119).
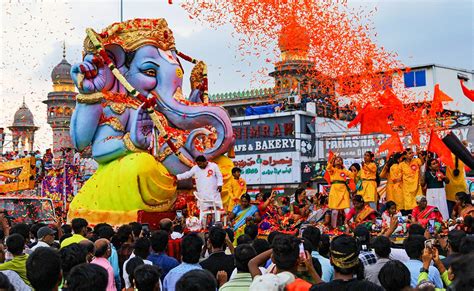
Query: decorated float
(142, 130)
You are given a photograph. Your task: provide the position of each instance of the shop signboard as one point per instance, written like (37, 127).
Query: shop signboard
(275, 168)
(352, 146)
(264, 135)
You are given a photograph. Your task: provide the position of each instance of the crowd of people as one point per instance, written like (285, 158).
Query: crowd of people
(130, 257)
(420, 238)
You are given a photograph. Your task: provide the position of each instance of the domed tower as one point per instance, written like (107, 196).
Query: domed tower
(23, 129)
(295, 74)
(61, 102)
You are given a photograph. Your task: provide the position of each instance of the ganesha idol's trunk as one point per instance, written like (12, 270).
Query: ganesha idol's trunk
(196, 116)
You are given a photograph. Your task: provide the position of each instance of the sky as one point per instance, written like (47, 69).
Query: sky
(32, 33)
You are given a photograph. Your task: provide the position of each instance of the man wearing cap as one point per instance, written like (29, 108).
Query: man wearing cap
(45, 237)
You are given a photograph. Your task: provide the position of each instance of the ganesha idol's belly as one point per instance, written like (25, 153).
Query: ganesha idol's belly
(121, 188)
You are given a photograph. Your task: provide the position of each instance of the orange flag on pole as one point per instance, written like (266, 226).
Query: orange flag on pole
(467, 92)
(372, 120)
(326, 176)
(392, 144)
(389, 99)
(437, 146)
(438, 98)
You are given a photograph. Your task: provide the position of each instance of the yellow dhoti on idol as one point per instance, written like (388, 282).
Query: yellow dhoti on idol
(145, 184)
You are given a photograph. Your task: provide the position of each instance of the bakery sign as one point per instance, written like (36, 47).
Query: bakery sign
(264, 135)
(275, 168)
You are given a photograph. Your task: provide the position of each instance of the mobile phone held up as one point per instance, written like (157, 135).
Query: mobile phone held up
(179, 214)
(431, 226)
(301, 266)
(429, 243)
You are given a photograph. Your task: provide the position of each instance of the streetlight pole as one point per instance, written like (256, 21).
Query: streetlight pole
(121, 10)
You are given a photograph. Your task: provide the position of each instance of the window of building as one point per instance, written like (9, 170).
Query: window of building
(415, 79)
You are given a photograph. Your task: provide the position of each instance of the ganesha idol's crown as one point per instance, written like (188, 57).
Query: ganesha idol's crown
(135, 33)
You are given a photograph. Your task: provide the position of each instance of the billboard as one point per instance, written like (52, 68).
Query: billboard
(265, 135)
(353, 146)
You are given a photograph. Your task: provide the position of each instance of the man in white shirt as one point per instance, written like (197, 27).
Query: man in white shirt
(208, 183)
(45, 238)
(141, 250)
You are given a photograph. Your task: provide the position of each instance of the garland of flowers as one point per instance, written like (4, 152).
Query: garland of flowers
(149, 102)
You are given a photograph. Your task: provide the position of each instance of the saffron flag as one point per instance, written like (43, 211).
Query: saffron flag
(437, 146)
(392, 144)
(467, 92)
(389, 99)
(438, 98)
(326, 176)
(372, 120)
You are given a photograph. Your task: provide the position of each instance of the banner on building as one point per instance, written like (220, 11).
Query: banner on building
(265, 135)
(353, 146)
(276, 168)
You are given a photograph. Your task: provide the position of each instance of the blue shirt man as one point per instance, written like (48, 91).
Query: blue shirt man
(165, 262)
(191, 247)
(169, 283)
(414, 246)
(113, 260)
(414, 267)
(328, 270)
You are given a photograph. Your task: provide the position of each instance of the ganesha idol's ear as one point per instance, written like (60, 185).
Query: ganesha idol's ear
(117, 54)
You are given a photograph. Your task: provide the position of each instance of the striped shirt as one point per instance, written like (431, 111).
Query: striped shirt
(241, 281)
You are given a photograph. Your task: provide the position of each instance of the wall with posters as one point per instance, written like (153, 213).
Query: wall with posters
(264, 169)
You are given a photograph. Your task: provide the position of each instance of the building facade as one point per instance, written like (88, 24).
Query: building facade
(23, 129)
(61, 103)
(329, 111)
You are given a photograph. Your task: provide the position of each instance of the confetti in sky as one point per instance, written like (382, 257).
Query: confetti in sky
(338, 40)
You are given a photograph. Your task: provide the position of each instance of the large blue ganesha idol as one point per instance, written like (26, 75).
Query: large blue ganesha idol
(142, 130)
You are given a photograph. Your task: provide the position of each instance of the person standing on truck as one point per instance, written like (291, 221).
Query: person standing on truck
(208, 183)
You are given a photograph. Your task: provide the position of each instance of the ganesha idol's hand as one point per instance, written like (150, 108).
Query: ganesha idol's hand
(141, 128)
(91, 75)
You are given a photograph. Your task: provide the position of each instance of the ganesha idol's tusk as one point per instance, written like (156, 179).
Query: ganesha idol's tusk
(80, 80)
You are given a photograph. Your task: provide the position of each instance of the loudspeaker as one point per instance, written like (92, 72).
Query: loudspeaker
(458, 149)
